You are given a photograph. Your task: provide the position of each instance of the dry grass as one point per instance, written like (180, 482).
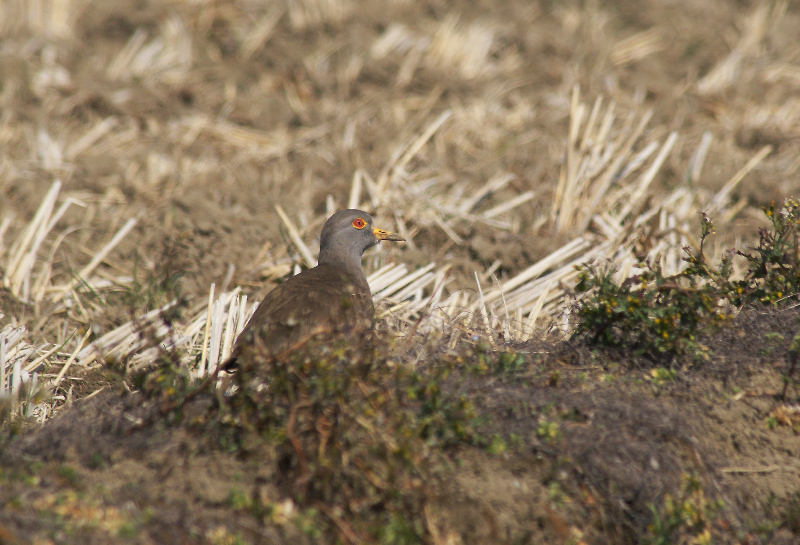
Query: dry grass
(442, 125)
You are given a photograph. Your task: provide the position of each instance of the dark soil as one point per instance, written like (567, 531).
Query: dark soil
(115, 467)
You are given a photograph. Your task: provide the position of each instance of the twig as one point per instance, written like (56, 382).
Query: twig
(298, 448)
(72, 358)
(294, 235)
(765, 469)
(345, 530)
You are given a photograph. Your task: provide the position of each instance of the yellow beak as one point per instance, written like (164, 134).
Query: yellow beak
(380, 234)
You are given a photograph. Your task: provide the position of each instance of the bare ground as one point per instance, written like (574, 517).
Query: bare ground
(94, 474)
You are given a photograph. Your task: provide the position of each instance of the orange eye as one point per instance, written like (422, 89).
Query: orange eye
(359, 223)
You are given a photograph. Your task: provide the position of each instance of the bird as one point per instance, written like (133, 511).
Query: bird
(331, 299)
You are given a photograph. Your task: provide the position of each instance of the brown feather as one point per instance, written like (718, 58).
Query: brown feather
(324, 300)
(329, 301)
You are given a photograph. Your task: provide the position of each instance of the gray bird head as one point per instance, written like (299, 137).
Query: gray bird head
(346, 235)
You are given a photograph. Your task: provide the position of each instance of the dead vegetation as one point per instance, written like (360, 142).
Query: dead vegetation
(165, 162)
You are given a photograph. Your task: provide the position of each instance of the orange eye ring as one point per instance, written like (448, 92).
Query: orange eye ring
(359, 223)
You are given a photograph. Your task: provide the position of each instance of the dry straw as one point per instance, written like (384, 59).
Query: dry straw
(602, 203)
(602, 200)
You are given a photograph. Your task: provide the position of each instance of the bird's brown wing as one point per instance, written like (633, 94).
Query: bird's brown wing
(317, 302)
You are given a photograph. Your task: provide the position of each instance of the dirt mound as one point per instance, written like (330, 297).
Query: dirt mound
(557, 447)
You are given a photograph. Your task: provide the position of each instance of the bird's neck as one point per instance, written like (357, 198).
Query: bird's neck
(350, 262)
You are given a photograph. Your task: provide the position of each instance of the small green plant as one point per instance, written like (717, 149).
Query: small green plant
(686, 518)
(69, 475)
(650, 313)
(661, 376)
(657, 314)
(547, 430)
(773, 271)
(772, 341)
(355, 435)
(791, 514)
(160, 284)
(399, 531)
(772, 422)
(508, 362)
(497, 445)
(169, 381)
(238, 500)
(556, 494)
